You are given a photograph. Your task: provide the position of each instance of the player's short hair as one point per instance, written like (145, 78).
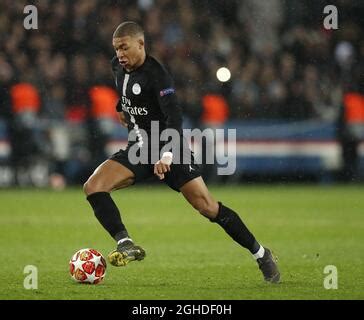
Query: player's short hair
(128, 28)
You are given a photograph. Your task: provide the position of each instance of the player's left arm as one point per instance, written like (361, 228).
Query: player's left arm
(166, 94)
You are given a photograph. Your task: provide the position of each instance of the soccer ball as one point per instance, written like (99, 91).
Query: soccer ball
(87, 266)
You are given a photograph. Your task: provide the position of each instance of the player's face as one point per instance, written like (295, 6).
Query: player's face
(130, 51)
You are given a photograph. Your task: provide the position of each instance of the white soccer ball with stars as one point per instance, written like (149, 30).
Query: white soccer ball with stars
(87, 266)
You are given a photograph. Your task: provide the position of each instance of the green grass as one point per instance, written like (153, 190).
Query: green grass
(308, 227)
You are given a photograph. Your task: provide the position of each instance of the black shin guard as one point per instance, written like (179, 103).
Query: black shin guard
(108, 214)
(235, 228)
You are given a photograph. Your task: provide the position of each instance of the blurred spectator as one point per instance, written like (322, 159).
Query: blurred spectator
(215, 114)
(27, 140)
(215, 110)
(104, 119)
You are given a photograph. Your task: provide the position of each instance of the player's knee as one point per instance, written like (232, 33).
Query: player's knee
(206, 207)
(92, 186)
(87, 188)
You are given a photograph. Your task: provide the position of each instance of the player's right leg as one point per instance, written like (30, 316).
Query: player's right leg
(112, 175)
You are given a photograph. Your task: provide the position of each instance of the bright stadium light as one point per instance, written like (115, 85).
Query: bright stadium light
(223, 74)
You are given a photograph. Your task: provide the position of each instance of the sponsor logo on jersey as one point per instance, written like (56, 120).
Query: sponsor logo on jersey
(135, 111)
(166, 91)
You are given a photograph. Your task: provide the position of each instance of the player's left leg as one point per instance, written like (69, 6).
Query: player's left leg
(197, 194)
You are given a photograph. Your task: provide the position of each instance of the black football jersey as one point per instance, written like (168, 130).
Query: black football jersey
(147, 94)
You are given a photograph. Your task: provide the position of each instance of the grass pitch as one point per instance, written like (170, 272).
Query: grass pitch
(307, 227)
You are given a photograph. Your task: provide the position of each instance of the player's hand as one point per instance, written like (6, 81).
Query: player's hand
(163, 165)
(160, 169)
(122, 119)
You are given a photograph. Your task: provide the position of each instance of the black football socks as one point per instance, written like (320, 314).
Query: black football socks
(108, 214)
(236, 229)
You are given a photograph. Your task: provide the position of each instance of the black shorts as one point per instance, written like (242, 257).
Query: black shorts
(175, 179)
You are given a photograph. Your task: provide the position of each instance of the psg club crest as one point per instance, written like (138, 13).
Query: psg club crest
(136, 88)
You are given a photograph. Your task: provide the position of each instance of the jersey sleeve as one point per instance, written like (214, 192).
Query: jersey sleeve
(165, 92)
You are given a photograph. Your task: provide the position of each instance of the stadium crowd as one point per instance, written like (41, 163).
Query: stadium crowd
(284, 65)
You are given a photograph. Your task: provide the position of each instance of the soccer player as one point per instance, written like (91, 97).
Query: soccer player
(147, 94)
